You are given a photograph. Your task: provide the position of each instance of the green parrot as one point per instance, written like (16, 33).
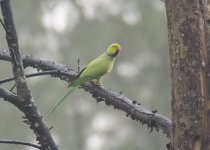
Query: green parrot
(93, 71)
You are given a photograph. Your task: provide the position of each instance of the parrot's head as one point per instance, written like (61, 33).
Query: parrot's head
(113, 50)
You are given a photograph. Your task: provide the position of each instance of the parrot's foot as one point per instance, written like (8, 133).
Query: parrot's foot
(97, 82)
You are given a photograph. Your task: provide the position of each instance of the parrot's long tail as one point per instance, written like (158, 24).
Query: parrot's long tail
(68, 91)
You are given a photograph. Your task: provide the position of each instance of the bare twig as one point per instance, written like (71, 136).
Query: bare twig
(12, 87)
(28, 107)
(31, 75)
(132, 109)
(3, 25)
(20, 143)
(78, 65)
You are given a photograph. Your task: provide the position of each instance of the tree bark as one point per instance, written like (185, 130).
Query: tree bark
(189, 42)
(23, 100)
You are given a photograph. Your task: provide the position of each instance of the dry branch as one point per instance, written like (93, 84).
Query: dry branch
(19, 143)
(24, 98)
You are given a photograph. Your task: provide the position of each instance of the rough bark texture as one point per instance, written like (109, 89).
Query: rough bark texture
(188, 27)
(28, 107)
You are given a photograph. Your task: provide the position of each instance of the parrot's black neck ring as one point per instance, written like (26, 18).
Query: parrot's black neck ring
(113, 55)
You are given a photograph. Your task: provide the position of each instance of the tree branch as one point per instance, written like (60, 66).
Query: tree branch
(12, 42)
(31, 75)
(27, 106)
(11, 97)
(20, 143)
(118, 101)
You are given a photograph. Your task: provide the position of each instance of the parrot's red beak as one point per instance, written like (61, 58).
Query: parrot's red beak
(117, 51)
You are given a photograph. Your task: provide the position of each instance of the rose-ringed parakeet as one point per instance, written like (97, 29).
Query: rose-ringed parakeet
(93, 71)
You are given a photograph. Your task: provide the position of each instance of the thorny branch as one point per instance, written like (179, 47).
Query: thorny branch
(24, 98)
(117, 100)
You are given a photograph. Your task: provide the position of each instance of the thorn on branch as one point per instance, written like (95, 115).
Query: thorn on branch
(154, 111)
(134, 102)
(26, 122)
(78, 65)
(24, 117)
(121, 92)
(50, 128)
(168, 146)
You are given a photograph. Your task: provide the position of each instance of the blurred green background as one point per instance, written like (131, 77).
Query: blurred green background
(66, 30)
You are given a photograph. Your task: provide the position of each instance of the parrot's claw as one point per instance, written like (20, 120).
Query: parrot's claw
(100, 84)
(97, 82)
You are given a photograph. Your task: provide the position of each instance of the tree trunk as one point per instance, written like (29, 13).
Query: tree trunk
(189, 42)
